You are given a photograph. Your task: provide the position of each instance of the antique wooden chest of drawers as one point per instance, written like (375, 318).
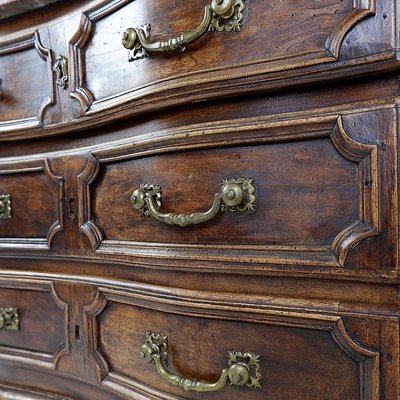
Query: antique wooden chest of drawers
(199, 200)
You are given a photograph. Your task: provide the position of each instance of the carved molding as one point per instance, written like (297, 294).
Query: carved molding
(361, 10)
(35, 358)
(367, 225)
(91, 312)
(39, 165)
(11, 392)
(263, 74)
(86, 224)
(26, 42)
(220, 307)
(77, 44)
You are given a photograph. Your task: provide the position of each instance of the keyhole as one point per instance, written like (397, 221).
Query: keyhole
(77, 333)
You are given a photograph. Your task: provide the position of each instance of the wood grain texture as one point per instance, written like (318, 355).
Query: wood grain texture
(344, 39)
(24, 100)
(305, 100)
(118, 369)
(37, 202)
(41, 339)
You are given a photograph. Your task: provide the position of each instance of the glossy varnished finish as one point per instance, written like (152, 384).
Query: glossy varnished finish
(304, 100)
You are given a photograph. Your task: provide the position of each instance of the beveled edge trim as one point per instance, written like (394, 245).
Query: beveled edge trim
(131, 104)
(365, 155)
(361, 10)
(31, 357)
(86, 224)
(11, 392)
(36, 165)
(221, 306)
(25, 42)
(368, 223)
(81, 38)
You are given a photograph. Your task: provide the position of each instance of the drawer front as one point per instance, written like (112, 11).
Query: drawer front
(293, 355)
(35, 330)
(318, 196)
(276, 43)
(27, 88)
(31, 201)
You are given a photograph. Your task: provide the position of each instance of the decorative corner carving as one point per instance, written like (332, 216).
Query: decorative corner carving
(368, 224)
(90, 314)
(5, 206)
(78, 42)
(367, 359)
(86, 223)
(78, 89)
(361, 10)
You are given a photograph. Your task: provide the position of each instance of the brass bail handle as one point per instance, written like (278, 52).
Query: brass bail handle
(220, 15)
(236, 195)
(243, 369)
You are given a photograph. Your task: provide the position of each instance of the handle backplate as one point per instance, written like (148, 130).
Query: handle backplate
(243, 369)
(9, 319)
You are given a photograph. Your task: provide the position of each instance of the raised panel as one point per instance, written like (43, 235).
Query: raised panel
(27, 83)
(41, 338)
(267, 52)
(296, 350)
(36, 201)
(319, 195)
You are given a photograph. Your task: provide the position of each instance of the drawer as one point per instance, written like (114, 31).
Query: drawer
(290, 355)
(31, 205)
(315, 202)
(26, 87)
(34, 327)
(262, 46)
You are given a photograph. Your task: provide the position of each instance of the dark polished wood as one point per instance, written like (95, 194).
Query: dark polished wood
(304, 100)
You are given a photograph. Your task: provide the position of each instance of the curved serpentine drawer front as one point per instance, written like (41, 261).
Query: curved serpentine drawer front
(182, 342)
(120, 58)
(291, 194)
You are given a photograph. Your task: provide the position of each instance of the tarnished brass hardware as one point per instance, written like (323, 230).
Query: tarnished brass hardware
(5, 206)
(244, 369)
(236, 195)
(9, 319)
(60, 67)
(220, 15)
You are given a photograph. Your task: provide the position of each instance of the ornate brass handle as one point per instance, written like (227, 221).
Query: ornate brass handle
(243, 368)
(221, 15)
(235, 195)
(9, 319)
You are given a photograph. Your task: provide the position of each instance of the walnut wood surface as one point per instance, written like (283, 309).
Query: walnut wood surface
(339, 40)
(304, 100)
